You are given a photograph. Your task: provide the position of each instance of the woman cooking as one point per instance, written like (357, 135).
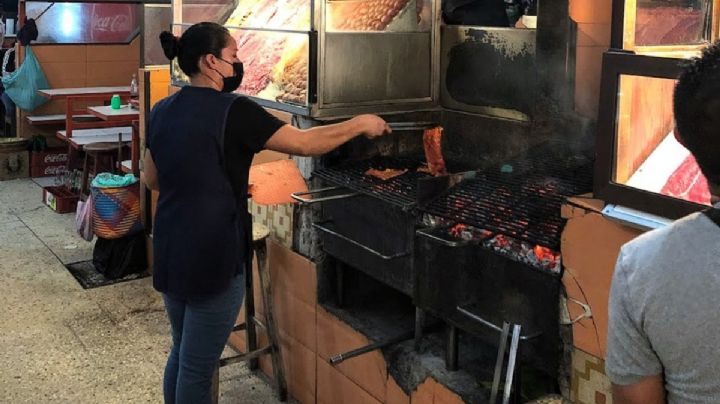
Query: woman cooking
(200, 144)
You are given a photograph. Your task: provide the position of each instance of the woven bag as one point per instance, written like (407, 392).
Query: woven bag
(116, 211)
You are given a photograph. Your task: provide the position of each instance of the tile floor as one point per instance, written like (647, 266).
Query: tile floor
(60, 343)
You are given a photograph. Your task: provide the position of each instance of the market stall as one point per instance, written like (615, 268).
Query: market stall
(323, 60)
(518, 107)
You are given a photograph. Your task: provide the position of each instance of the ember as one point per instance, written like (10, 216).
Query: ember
(545, 254)
(457, 229)
(538, 257)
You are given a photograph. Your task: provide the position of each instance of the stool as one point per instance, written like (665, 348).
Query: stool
(98, 150)
(260, 234)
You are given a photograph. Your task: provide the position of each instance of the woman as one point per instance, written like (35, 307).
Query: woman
(201, 142)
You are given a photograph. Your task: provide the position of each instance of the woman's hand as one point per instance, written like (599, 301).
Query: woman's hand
(372, 126)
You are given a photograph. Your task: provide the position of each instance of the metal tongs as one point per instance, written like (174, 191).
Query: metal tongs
(407, 126)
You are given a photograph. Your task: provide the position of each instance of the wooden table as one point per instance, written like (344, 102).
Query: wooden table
(106, 113)
(61, 93)
(82, 137)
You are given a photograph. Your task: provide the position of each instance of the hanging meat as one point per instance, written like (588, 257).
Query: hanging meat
(432, 142)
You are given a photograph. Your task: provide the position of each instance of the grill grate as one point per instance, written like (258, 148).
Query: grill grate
(524, 204)
(400, 191)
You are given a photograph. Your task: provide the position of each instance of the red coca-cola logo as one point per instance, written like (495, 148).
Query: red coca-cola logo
(112, 22)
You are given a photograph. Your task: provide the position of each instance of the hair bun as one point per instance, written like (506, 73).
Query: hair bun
(170, 44)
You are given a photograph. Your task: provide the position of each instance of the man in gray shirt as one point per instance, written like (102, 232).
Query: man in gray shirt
(664, 323)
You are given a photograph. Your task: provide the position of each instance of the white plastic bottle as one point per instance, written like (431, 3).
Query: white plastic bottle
(134, 88)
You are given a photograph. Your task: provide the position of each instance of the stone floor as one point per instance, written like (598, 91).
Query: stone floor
(60, 343)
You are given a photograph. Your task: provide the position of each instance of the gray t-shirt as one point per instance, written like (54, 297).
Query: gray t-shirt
(663, 307)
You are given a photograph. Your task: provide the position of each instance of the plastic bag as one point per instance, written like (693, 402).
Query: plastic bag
(22, 84)
(119, 257)
(84, 219)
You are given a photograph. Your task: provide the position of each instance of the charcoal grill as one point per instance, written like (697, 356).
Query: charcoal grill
(375, 227)
(520, 200)
(372, 226)
(477, 288)
(399, 191)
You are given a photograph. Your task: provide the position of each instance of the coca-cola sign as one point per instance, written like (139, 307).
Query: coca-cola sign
(113, 22)
(85, 22)
(56, 158)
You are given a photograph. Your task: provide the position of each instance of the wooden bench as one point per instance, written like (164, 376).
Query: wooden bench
(57, 119)
(81, 137)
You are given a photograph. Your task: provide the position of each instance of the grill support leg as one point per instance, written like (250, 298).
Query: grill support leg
(512, 358)
(340, 283)
(419, 324)
(451, 353)
(270, 327)
(250, 330)
(499, 363)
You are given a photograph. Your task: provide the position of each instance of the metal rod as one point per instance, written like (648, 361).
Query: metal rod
(491, 325)
(402, 126)
(246, 356)
(419, 324)
(499, 362)
(298, 196)
(339, 358)
(511, 363)
(451, 354)
(286, 31)
(339, 283)
(360, 245)
(439, 240)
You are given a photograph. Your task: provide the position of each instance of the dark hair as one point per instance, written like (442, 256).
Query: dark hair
(697, 110)
(199, 40)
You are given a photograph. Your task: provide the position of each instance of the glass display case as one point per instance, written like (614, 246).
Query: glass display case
(325, 58)
(640, 164)
(670, 28)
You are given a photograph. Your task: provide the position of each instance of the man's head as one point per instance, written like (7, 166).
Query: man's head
(697, 112)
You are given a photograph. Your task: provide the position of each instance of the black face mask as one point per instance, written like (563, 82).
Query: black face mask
(232, 83)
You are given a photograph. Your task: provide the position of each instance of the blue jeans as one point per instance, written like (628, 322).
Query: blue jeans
(200, 330)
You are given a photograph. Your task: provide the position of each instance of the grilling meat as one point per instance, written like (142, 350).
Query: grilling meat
(424, 169)
(432, 141)
(386, 174)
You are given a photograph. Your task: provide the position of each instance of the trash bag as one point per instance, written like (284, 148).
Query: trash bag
(22, 84)
(84, 219)
(119, 257)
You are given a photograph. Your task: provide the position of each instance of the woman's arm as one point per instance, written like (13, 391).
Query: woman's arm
(322, 139)
(149, 172)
